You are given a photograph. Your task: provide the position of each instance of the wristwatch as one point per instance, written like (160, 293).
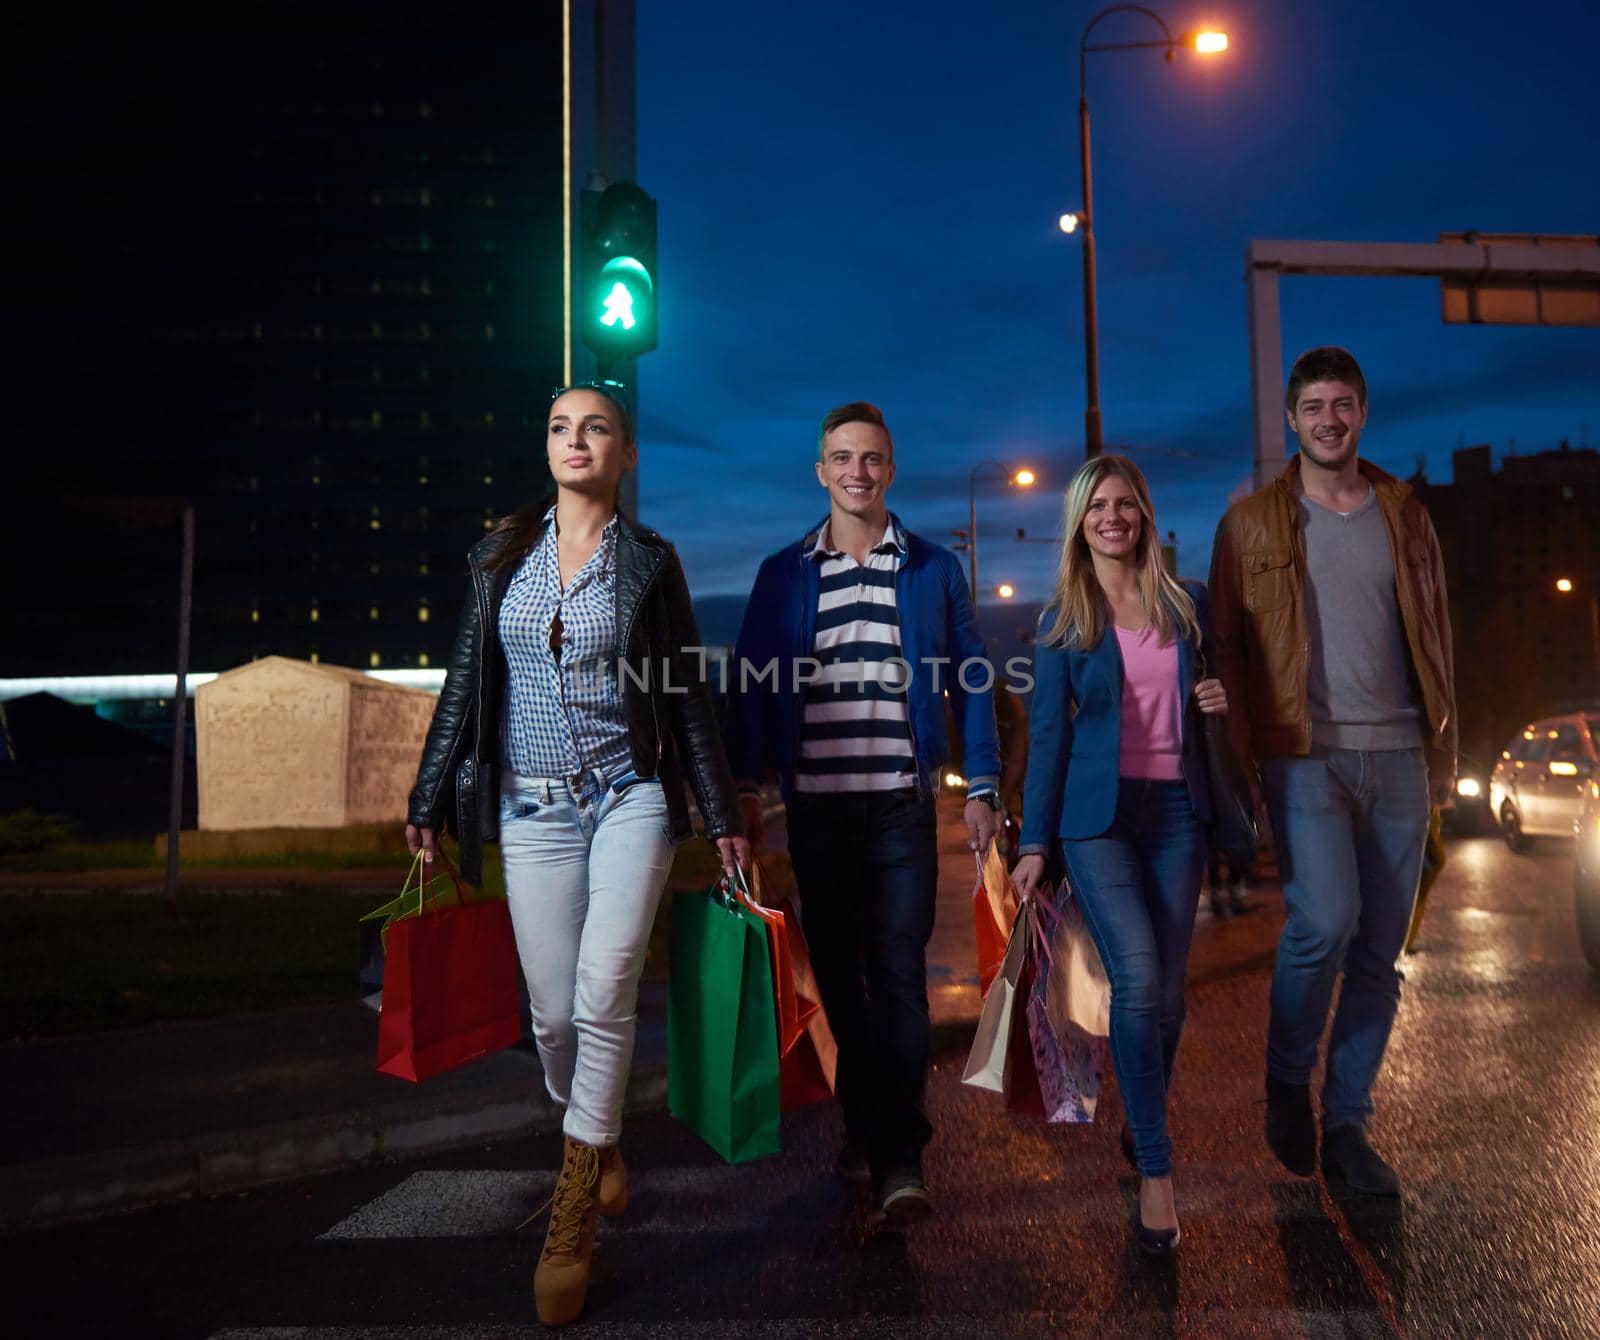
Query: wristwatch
(991, 799)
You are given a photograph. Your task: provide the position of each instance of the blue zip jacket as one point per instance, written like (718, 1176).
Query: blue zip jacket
(936, 621)
(1075, 733)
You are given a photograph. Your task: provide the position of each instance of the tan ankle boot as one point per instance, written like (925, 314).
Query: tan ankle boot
(561, 1281)
(612, 1197)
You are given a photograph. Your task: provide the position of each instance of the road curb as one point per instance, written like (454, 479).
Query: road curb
(58, 1191)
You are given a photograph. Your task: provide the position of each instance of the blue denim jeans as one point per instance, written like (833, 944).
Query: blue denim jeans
(585, 868)
(867, 867)
(1350, 827)
(1138, 883)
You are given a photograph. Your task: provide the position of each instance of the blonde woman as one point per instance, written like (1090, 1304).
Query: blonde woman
(1117, 776)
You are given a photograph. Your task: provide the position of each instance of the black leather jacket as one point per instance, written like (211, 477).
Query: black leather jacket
(670, 722)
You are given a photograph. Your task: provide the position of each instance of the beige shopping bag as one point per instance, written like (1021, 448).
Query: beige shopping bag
(1078, 991)
(988, 1063)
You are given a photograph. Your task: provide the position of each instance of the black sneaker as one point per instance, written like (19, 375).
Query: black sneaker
(852, 1165)
(1348, 1158)
(903, 1200)
(1291, 1127)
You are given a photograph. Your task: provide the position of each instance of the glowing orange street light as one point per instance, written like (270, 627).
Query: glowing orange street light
(1005, 590)
(1204, 42)
(1018, 476)
(1564, 584)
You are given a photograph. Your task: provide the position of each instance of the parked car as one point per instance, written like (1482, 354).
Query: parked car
(1586, 879)
(1470, 814)
(1538, 784)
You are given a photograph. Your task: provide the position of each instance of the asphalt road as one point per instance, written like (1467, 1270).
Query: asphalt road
(1490, 1107)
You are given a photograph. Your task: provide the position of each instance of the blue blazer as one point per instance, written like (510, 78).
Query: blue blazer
(936, 622)
(1075, 733)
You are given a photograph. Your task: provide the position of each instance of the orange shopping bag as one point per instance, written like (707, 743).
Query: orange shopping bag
(994, 910)
(807, 1053)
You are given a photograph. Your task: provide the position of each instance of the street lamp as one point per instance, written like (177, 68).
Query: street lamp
(1565, 587)
(1005, 591)
(1205, 43)
(1018, 477)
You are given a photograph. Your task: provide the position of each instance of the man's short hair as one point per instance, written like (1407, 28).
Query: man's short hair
(857, 411)
(1327, 364)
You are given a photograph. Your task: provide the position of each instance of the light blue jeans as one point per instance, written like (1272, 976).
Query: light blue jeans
(1137, 885)
(1350, 827)
(584, 874)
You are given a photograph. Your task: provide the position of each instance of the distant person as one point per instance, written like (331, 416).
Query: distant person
(866, 625)
(1333, 637)
(1225, 872)
(1117, 776)
(578, 770)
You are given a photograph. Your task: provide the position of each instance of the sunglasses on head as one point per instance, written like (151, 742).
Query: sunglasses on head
(616, 390)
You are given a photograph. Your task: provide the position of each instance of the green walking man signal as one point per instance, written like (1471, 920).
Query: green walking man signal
(617, 292)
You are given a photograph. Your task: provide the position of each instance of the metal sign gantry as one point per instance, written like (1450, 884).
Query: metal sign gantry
(1565, 266)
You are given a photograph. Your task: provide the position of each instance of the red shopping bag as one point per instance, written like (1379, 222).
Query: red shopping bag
(1022, 1079)
(994, 911)
(450, 988)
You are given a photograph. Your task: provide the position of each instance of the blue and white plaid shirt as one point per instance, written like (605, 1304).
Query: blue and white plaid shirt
(564, 715)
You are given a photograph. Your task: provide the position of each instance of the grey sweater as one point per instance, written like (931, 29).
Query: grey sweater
(1360, 685)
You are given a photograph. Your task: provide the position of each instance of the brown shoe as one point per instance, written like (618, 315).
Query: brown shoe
(612, 1197)
(561, 1282)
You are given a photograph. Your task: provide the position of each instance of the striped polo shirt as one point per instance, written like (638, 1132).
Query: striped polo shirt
(855, 730)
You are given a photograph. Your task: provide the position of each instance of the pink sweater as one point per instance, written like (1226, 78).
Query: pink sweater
(1152, 725)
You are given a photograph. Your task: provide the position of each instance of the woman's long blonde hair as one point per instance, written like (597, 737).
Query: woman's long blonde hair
(1079, 603)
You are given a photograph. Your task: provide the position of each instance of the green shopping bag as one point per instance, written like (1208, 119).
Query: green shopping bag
(722, 1027)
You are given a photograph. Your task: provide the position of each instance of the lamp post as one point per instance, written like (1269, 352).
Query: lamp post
(1018, 477)
(1205, 43)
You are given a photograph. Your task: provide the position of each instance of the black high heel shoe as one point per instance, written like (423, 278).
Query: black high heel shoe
(1161, 1244)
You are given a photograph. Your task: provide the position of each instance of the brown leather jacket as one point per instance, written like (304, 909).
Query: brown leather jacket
(1263, 650)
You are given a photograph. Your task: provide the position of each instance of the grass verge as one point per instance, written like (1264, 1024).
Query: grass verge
(74, 963)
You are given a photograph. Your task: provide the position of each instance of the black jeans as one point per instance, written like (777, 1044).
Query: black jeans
(867, 867)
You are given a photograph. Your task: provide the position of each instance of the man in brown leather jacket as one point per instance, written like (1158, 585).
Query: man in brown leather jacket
(1333, 641)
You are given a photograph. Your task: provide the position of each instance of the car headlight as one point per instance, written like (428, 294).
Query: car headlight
(1470, 787)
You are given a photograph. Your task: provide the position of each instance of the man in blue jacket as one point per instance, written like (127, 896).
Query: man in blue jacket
(852, 638)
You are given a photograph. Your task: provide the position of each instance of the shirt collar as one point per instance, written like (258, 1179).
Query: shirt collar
(820, 544)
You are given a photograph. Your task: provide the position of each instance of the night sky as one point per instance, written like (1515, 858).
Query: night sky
(860, 201)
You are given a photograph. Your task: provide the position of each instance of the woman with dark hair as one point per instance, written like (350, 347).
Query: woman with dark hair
(1116, 773)
(570, 715)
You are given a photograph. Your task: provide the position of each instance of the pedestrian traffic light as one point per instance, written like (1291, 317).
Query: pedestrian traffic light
(618, 289)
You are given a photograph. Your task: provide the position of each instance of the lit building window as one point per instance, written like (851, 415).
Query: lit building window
(422, 659)
(372, 613)
(422, 614)
(422, 569)
(316, 615)
(255, 615)
(374, 660)
(488, 479)
(422, 479)
(488, 332)
(372, 568)
(315, 657)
